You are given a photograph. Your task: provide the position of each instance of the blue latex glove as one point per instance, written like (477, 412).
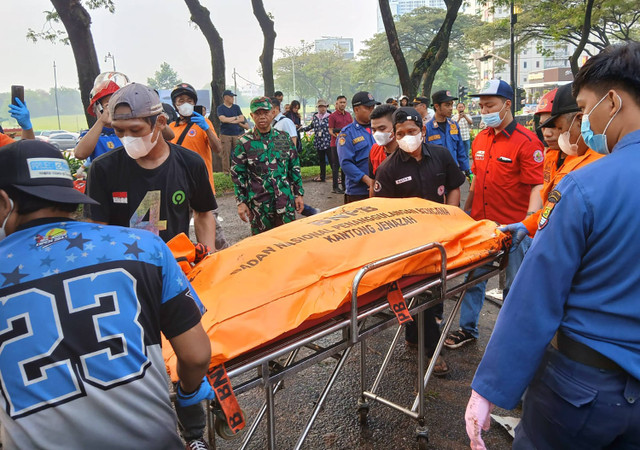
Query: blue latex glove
(518, 232)
(199, 120)
(204, 392)
(21, 114)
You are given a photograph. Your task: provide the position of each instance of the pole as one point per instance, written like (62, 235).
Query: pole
(235, 82)
(512, 58)
(293, 71)
(55, 90)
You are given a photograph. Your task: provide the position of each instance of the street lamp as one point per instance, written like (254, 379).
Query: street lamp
(113, 60)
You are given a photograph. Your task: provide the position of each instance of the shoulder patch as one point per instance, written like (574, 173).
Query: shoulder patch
(552, 201)
(341, 140)
(538, 156)
(377, 187)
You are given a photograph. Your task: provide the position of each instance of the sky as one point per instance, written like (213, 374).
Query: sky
(142, 34)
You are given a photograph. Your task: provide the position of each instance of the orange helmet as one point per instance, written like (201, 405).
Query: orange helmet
(105, 84)
(546, 102)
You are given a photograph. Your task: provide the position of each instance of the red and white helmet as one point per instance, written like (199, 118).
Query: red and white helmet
(546, 102)
(105, 84)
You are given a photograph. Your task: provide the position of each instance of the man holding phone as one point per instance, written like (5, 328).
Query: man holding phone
(18, 110)
(195, 132)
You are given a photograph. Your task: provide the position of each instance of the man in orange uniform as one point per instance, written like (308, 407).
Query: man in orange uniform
(567, 152)
(195, 132)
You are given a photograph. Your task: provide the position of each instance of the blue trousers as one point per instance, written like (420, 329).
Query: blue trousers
(569, 405)
(474, 298)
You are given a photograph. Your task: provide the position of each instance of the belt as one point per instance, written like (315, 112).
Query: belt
(584, 354)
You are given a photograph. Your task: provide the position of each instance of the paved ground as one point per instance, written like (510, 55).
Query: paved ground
(337, 426)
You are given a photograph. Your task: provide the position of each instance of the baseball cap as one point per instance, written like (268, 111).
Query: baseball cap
(363, 98)
(322, 102)
(143, 101)
(39, 169)
(563, 103)
(228, 92)
(546, 102)
(405, 113)
(260, 103)
(498, 88)
(420, 100)
(442, 97)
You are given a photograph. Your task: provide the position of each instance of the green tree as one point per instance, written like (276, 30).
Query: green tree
(77, 32)
(414, 29)
(324, 74)
(165, 78)
(586, 24)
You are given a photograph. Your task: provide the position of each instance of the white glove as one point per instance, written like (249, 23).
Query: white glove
(477, 418)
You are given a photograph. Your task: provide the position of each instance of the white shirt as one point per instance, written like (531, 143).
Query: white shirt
(283, 123)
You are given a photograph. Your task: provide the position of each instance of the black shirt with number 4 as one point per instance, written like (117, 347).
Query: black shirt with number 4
(158, 200)
(401, 176)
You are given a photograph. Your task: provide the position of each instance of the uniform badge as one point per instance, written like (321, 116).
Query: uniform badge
(358, 139)
(377, 187)
(192, 132)
(479, 155)
(119, 197)
(341, 141)
(434, 137)
(538, 156)
(553, 199)
(403, 180)
(441, 190)
(111, 145)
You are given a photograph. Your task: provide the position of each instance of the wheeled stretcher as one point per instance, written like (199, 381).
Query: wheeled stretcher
(273, 300)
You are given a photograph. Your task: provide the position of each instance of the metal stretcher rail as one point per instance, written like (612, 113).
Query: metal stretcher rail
(355, 326)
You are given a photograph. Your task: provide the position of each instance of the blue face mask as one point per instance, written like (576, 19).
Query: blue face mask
(493, 119)
(597, 142)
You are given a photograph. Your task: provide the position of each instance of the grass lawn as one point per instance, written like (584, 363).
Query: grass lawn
(225, 185)
(69, 122)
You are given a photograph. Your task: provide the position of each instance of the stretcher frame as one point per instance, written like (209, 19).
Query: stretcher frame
(353, 329)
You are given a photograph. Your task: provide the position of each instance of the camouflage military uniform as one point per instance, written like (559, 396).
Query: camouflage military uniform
(265, 169)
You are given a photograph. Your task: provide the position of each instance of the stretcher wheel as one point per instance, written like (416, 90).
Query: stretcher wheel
(222, 428)
(422, 435)
(363, 411)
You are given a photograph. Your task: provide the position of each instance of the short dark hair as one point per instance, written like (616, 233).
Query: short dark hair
(151, 120)
(617, 66)
(27, 203)
(381, 111)
(341, 96)
(278, 94)
(274, 102)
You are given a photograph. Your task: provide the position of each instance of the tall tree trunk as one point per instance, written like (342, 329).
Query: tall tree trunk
(77, 23)
(425, 68)
(584, 39)
(269, 32)
(201, 17)
(409, 88)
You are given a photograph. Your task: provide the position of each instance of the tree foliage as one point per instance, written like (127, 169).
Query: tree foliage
(165, 78)
(414, 29)
(324, 74)
(563, 21)
(43, 103)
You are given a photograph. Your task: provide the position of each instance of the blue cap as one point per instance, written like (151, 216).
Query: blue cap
(498, 88)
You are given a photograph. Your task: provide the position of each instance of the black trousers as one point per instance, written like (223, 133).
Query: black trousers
(322, 160)
(335, 167)
(431, 329)
(354, 198)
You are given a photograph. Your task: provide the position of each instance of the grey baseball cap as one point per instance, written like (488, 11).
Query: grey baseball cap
(143, 101)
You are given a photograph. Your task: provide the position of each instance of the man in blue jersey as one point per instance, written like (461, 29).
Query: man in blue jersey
(83, 306)
(579, 283)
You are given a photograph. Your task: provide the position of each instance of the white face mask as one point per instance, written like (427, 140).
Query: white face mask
(564, 141)
(382, 138)
(185, 110)
(138, 147)
(410, 143)
(3, 233)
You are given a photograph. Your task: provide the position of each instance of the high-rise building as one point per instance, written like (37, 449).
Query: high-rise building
(331, 43)
(400, 7)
